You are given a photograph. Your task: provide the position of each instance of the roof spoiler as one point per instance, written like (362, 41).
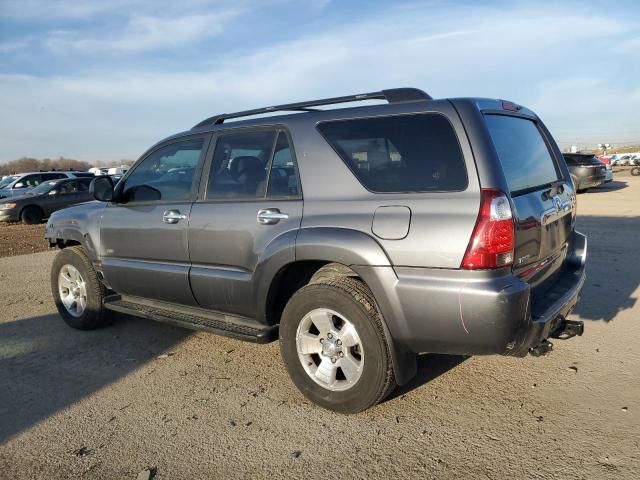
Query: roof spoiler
(393, 95)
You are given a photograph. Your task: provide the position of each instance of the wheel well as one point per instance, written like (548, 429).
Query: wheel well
(31, 206)
(62, 243)
(295, 276)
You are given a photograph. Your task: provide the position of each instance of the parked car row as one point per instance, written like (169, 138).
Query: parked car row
(21, 183)
(626, 159)
(31, 197)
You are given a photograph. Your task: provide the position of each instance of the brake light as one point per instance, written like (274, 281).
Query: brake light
(510, 106)
(492, 241)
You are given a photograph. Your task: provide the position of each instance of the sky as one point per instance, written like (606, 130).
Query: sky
(104, 80)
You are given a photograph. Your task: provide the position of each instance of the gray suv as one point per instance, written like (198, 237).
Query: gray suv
(360, 237)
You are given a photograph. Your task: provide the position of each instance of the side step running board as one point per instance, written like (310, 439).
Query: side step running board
(194, 318)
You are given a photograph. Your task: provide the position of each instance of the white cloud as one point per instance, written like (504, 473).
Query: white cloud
(144, 33)
(547, 60)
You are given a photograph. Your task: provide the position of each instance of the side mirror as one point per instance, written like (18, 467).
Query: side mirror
(19, 185)
(53, 192)
(102, 188)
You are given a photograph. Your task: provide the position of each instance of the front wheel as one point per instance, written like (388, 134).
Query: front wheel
(31, 215)
(77, 291)
(334, 347)
(635, 171)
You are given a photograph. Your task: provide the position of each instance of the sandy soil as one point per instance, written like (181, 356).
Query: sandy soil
(110, 403)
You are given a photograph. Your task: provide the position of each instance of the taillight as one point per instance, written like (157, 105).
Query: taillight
(492, 241)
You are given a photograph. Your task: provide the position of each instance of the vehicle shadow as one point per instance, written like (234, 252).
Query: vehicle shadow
(612, 186)
(430, 367)
(612, 266)
(45, 366)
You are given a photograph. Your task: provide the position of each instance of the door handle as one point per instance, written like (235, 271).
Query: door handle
(271, 216)
(173, 216)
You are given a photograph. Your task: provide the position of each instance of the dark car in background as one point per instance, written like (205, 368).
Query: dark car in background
(586, 170)
(21, 183)
(43, 200)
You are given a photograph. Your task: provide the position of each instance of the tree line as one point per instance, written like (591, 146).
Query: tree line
(27, 164)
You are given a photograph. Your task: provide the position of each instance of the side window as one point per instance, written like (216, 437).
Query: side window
(29, 181)
(68, 187)
(166, 175)
(83, 185)
(401, 153)
(283, 180)
(239, 165)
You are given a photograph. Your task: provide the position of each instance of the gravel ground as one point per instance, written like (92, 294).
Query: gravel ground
(137, 395)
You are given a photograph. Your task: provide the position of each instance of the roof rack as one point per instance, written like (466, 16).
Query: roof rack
(393, 95)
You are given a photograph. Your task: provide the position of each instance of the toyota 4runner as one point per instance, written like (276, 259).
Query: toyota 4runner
(360, 237)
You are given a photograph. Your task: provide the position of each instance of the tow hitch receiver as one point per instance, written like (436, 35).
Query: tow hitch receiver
(568, 329)
(545, 347)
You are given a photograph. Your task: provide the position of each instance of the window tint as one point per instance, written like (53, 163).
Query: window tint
(404, 153)
(524, 155)
(283, 180)
(166, 175)
(83, 174)
(68, 187)
(52, 176)
(83, 184)
(239, 166)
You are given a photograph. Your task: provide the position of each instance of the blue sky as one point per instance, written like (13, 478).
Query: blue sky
(103, 80)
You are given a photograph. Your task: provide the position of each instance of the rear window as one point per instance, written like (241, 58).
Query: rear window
(403, 153)
(524, 155)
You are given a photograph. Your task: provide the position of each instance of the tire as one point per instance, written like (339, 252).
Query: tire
(31, 215)
(635, 171)
(345, 302)
(85, 284)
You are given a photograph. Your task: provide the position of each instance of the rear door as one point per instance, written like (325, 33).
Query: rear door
(143, 237)
(543, 200)
(250, 208)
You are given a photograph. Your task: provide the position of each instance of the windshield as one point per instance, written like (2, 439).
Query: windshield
(44, 187)
(7, 181)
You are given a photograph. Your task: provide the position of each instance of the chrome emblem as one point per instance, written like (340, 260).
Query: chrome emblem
(557, 203)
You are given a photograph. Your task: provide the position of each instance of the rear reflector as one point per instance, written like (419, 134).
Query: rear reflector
(491, 244)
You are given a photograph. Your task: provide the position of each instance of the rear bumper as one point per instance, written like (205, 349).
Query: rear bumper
(592, 181)
(475, 313)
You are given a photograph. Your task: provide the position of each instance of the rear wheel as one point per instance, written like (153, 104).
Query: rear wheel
(77, 291)
(31, 215)
(334, 347)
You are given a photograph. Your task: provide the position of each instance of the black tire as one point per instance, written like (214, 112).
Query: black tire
(94, 314)
(354, 300)
(31, 215)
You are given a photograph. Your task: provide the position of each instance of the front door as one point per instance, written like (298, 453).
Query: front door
(143, 236)
(251, 206)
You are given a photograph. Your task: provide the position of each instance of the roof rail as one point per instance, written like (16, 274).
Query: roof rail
(393, 95)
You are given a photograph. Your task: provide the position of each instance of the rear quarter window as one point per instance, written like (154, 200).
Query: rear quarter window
(523, 153)
(400, 153)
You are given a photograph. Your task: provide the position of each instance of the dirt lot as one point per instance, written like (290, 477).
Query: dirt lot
(19, 239)
(110, 403)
